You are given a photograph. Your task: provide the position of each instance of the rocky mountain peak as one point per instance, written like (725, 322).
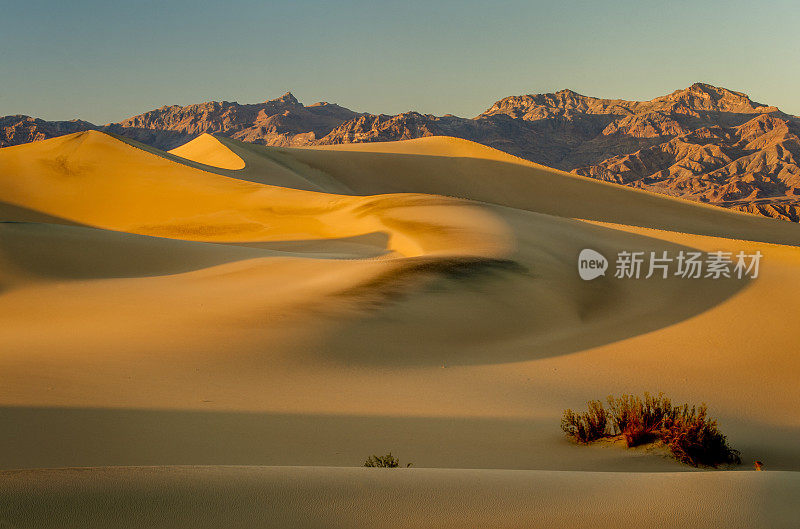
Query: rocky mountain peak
(703, 96)
(570, 95)
(286, 99)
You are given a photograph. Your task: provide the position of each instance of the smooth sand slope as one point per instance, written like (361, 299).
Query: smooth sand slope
(230, 303)
(325, 498)
(206, 150)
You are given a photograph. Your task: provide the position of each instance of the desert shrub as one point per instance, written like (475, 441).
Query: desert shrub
(588, 426)
(689, 434)
(639, 420)
(387, 461)
(694, 438)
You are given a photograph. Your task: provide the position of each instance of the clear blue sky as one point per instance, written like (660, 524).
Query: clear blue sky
(104, 60)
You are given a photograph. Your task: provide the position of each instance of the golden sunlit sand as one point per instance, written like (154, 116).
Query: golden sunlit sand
(206, 149)
(234, 304)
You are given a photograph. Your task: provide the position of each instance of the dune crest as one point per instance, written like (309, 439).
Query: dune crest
(206, 149)
(128, 189)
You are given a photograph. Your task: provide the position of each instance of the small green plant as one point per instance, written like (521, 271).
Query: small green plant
(387, 461)
(688, 433)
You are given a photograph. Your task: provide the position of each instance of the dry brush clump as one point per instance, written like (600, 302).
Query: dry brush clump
(638, 420)
(688, 433)
(694, 438)
(587, 426)
(387, 461)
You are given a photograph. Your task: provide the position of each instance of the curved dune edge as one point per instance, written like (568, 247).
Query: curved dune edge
(453, 147)
(325, 497)
(127, 189)
(453, 166)
(207, 150)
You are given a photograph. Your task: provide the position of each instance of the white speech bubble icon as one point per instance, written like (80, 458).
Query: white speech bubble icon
(591, 264)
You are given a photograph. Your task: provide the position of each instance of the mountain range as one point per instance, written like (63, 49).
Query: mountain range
(702, 143)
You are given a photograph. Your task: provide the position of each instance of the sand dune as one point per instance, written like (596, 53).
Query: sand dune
(207, 150)
(229, 303)
(487, 175)
(379, 498)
